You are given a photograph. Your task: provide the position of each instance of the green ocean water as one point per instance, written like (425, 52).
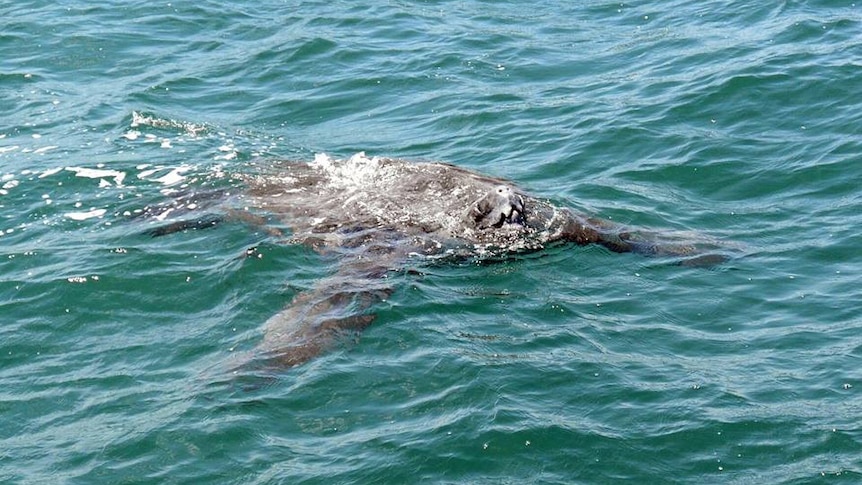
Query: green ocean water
(727, 120)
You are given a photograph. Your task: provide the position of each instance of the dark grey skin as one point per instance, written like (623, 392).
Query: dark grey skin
(377, 215)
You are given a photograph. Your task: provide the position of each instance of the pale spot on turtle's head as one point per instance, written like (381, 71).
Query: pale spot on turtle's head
(500, 206)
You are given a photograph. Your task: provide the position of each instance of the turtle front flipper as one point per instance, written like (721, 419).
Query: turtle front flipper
(204, 222)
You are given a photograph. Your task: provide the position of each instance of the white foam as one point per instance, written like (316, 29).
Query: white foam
(175, 176)
(49, 172)
(146, 173)
(321, 160)
(95, 173)
(356, 172)
(164, 214)
(229, 150)
(137, 119)
(190, 128)
(82, 216)
(45, 149)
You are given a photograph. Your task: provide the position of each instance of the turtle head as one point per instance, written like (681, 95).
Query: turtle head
(500, 206)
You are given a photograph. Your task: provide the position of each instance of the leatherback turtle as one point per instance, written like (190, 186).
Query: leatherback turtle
(376, 214)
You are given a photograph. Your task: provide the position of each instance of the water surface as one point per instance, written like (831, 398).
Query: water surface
(576, 365)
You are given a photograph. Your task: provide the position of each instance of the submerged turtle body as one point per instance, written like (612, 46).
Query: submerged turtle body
(373, 214)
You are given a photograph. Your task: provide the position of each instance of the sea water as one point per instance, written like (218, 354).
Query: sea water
(734, 121)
